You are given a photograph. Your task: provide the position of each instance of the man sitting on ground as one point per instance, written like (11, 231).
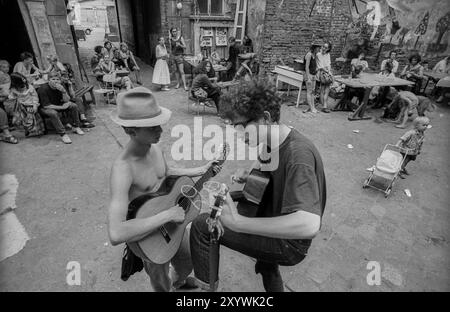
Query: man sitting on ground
(54, 99)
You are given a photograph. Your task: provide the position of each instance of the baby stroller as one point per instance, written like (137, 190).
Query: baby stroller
(386, 170)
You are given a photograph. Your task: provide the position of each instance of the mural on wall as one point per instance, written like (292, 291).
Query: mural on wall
(420, 26)
(256, 10)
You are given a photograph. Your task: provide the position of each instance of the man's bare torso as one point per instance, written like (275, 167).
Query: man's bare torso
(147, 173)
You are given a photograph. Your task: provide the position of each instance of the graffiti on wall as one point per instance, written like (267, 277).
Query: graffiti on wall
(421, 26)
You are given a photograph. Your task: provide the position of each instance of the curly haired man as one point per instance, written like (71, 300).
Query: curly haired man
(293, 203)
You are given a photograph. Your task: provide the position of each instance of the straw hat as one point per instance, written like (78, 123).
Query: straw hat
(138, 108)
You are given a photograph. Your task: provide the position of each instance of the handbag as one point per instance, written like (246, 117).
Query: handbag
(325, 77)
(130, 263)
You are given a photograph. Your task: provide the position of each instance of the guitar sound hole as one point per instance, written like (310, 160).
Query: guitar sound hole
(184, 205)
(180, 199)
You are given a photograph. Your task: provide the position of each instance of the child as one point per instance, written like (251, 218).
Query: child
(161, 74)
(412, 142)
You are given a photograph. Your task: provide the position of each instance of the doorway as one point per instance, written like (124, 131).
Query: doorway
(13, 42)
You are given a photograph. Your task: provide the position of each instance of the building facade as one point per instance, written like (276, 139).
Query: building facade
(280, 30)
(40, 27)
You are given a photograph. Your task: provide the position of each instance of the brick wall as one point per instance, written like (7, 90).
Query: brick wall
(289, 29)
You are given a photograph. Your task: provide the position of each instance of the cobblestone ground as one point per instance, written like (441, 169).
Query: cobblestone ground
(63, 195)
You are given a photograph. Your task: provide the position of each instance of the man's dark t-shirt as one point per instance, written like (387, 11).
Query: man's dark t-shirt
(49, 96)
(298, 183)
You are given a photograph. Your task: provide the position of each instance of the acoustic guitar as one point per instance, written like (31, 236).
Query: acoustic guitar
(256, 185)
(161, 245)
(250, 197)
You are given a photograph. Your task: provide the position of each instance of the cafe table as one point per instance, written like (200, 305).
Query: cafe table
(434, 76)
(367, 81)
(290, 76)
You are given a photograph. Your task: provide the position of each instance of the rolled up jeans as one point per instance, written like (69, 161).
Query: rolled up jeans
(53, 114)
(269, 253)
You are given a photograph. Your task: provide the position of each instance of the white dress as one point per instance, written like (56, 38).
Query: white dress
(161, 74)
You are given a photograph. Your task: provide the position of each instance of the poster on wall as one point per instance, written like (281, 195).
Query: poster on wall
(206, 42)
(221, 36)
(207, 32)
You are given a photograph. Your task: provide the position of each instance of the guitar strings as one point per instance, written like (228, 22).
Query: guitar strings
(190, 198)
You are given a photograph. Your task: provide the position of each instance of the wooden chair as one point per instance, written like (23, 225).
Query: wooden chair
(107, 88)
(193, 101)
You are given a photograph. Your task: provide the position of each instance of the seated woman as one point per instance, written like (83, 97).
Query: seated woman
(99, 53)
(360, 62)
(202, 87)
(5, 82)
(107, 67)
(55, 65)
(378, 94)
(210, 72)
(26, 106)
(443, 66)
(128, 59)
(414, 72)
(27, 68)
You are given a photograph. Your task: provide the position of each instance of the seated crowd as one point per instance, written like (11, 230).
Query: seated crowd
(399, 102)
(108, 60)
(29, 96)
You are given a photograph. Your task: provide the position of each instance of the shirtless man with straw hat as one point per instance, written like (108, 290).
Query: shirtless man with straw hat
(140, 168)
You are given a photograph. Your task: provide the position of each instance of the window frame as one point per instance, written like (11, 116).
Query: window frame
(209, 9)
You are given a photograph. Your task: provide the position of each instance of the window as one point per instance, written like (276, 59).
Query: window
(210, 7)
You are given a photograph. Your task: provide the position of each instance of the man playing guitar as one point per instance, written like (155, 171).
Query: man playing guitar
(290, 212)
(139, 169)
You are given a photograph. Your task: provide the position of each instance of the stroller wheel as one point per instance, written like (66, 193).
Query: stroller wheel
(365, 184)
(386, 194)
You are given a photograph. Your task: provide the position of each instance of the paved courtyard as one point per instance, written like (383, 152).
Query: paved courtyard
(63, 196)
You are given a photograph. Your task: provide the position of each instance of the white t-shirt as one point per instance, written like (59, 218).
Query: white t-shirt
(442, 67)
(355, 62)
(323, 60)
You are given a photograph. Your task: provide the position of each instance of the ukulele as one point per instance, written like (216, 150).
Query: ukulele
(161, 245)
